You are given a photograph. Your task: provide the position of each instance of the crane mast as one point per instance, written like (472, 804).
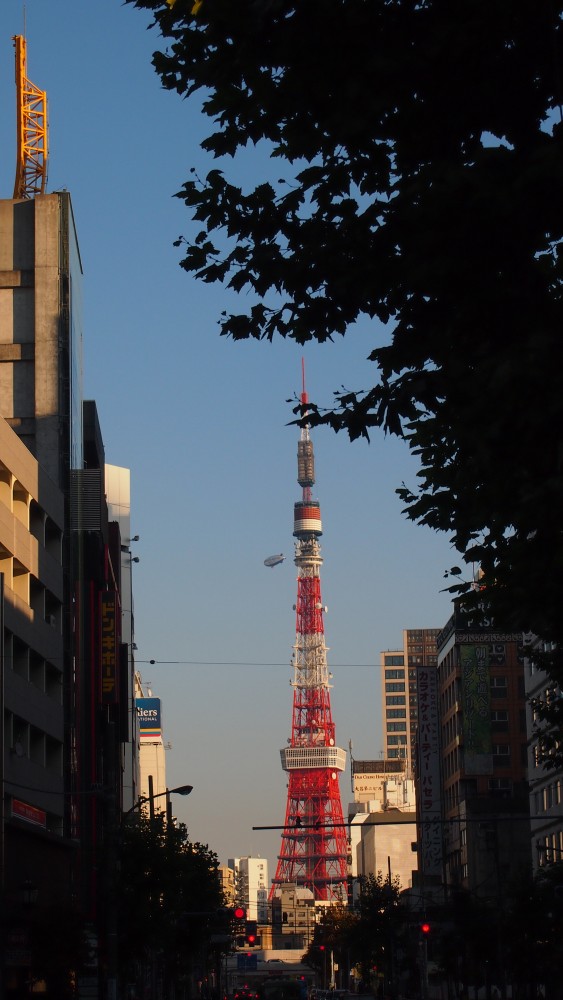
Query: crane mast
(31, 164)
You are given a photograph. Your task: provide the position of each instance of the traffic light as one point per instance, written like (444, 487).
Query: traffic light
(238, 914)
(251, 933)
(425, 928)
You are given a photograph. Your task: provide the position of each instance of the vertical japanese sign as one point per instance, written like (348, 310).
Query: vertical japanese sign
(108, 645)
(476, 704)
(428, 756)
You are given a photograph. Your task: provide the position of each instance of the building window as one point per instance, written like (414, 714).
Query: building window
(396, 713)
(500, 785)
(394, 675)
(397, 727)
(395, 699)
(394, 661)
(499, 720)
(501, 754)
(395, 686)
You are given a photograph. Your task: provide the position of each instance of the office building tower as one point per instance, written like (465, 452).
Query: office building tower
(399, 693)
(482, 711)
(251, 886)
(152, 752)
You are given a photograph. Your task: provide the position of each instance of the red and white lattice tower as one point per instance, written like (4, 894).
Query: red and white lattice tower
(314, 845)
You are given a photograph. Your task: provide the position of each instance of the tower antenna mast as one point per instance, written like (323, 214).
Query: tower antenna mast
(31, 108)
(314, 848)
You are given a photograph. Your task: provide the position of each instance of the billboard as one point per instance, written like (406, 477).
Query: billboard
(476, 704)
(109, 648)
(150, 720)
(429, 799)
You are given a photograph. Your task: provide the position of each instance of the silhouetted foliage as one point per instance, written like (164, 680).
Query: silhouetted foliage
(362, 936)
(169, 891)
(420, 147)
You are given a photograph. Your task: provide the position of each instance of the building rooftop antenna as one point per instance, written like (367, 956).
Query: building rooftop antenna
(31, 118)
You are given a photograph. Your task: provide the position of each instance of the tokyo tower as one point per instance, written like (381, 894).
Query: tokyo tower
(314, 847)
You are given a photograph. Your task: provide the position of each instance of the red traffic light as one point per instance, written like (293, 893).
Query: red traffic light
(425, 928)
(239, 913)
(251, 933)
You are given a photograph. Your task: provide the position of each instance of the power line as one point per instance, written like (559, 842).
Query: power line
(239, 663)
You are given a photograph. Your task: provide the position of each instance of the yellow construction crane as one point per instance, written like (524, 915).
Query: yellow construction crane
(31, 167)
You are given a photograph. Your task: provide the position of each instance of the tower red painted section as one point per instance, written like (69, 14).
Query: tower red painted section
(314, 846)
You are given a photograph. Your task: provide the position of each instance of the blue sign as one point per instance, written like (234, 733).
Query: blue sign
(148, 714)
(247, 963)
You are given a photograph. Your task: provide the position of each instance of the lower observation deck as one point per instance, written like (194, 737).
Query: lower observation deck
(301, 758)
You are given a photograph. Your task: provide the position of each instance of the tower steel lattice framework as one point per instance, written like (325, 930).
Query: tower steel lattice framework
(314, 844)
(31, 104)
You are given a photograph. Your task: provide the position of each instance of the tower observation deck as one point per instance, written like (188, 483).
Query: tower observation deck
(314, 847)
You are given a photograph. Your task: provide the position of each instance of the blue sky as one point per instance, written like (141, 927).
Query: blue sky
(202, 424)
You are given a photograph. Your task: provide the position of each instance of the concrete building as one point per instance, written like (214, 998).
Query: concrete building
(152, 755)
(32, 682)
(546, 784)
(251, 886)
(41, 401)
(69, 583)
(41, 330)
(484, 755)
(382, 821)
(398, 693)
(227, 877)
(293, 918)
(118, 493)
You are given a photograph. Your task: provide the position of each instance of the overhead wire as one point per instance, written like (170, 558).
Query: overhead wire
(240, 663)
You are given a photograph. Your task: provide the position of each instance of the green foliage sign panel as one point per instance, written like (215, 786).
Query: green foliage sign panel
(476, 704)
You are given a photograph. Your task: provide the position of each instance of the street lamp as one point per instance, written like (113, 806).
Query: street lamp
(179, 790)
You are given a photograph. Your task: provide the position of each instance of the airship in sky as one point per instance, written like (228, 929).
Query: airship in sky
(274, 560)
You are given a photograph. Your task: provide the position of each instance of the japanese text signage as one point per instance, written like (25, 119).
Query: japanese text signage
(428, 761)
(108, 643)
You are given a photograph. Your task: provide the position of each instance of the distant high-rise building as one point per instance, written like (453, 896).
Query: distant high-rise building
(251, 886)
(152, 756)
(399, 693)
